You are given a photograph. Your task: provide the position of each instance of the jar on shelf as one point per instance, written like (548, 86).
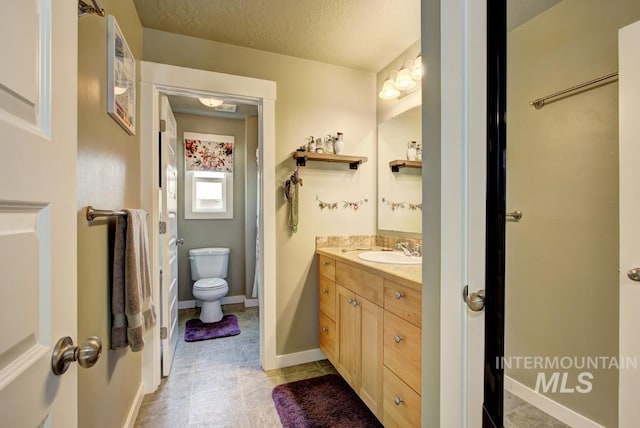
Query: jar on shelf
(412, 151)
(319, 145)
(338, 145)
(311, 144)
(329, 144)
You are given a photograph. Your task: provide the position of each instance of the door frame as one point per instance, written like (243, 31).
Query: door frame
(162, 78)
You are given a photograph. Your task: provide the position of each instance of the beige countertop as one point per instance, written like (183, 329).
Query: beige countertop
(400, 273)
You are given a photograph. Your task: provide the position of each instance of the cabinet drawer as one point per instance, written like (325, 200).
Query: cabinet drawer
(327, 336)
(360, 282)
(327, 297)
(327, 267)
(401, 404)
(402, 349)
(403, 301)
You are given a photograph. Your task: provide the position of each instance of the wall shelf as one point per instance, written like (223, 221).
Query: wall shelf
(302, 158)
(401, 163)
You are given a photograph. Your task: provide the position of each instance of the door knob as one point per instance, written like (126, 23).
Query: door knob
(64, 353)
(180, 241)
(634, 274)
(475, 301)
(516, 215)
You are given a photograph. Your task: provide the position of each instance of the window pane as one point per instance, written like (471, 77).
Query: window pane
(208, 190)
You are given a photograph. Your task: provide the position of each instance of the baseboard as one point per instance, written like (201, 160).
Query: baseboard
(186, 304)
(135, 408)
(250, 303)
(288, 360)
(547, 405)
(227, 300)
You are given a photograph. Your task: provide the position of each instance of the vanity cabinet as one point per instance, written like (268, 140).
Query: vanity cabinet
(370, 330)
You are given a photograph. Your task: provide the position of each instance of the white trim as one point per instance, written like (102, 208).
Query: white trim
(161, 78)
(135, 408)
(547, 405)
(250, 303)
(186, 304)
(288, 360)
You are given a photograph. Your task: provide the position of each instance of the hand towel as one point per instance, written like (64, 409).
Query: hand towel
(132, 306)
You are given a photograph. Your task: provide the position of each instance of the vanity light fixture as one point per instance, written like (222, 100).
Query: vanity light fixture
(210, 102)
(403, 81)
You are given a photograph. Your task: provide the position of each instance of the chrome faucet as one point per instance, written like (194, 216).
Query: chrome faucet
(406, 249)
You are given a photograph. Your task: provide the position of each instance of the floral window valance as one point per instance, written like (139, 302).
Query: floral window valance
(208, 152)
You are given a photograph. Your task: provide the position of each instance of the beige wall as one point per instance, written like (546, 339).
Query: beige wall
(108, 178)
(228, 233)
(562, 258)
(312, 99)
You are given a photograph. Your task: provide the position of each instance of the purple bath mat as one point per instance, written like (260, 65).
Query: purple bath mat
(325, 401)
(198, 330)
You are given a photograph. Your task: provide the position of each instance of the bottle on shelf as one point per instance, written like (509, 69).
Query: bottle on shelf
(311, 144)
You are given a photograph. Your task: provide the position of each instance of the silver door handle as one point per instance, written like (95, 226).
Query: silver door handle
(180, 241)
(64, 353)
(515, 215)
(634, 274)
(475, 301)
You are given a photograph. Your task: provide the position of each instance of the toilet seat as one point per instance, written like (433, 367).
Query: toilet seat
(209, 284)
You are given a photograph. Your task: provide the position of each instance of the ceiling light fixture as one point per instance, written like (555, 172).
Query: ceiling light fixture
(210, 102)
(403, 81)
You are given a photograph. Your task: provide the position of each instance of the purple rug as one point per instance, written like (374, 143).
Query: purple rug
(325, 401)
(198, 330)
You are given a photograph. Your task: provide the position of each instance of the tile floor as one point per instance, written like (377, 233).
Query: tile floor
(219, 383)
(520, 414)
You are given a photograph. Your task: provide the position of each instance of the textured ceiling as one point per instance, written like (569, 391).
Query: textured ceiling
(361, 34)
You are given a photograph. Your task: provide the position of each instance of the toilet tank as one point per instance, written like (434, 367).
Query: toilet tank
(208, 262)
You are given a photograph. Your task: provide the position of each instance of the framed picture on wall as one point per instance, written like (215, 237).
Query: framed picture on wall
(121, 78)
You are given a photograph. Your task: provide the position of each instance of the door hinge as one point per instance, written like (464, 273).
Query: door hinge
(163, 333)
(163, 125)
(163, 227)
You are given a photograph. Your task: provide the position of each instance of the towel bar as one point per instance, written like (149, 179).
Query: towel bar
(93, 213)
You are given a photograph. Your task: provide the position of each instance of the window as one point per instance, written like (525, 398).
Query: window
(208, 195)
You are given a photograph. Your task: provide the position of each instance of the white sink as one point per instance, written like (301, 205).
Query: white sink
(390, 257)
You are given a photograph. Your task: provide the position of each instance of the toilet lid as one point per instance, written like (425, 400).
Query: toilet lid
(209, 283)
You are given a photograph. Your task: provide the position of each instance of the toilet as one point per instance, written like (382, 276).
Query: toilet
(209, 270)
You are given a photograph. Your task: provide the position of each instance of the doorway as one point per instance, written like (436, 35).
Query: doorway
(165, 79)
(555, 273)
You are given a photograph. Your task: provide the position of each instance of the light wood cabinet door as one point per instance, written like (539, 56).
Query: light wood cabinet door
(327, 267)
(403, 349)
(348, 327)
(371, 330)
(401, 406)
(403, 301)
(328, 336)
(327, 296)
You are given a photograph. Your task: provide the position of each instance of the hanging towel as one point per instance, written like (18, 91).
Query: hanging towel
(132, 307)
(291, 193)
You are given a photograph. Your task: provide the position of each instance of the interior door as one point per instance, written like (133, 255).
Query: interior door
(38, 127)
(169, 239)
(629, 146)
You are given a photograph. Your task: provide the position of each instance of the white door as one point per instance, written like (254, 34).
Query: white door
(629, 150)
(38, 126)
(169, 240)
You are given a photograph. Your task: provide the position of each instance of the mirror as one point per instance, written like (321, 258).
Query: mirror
(400, 189)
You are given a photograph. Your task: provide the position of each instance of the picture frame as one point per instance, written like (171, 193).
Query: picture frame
(121, 78)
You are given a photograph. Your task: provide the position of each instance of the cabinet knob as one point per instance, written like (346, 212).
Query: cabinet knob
(355, 303)
(325, 329)
(350, 301)
(326, 263)
(325, 291)
(397, 400)
(399, 295)
(398, 339)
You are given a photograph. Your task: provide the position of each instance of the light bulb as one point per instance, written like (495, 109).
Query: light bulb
(417, 71)
(404, 80)
(211, 102)
(389, 91)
